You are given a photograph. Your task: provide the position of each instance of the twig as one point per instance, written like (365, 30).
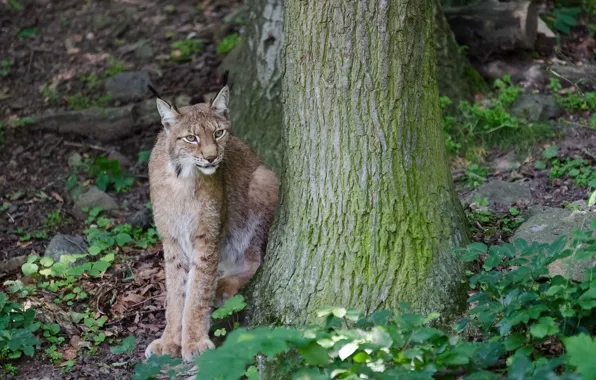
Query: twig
(80, 145)
(30, 61)
(10, 216)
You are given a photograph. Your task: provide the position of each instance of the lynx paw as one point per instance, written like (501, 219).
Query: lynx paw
(190, 350)
(162, 347)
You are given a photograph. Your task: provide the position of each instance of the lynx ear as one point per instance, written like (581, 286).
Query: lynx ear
(220, 103)
(167, 112)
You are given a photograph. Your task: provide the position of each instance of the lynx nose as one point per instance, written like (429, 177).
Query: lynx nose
(210, 159)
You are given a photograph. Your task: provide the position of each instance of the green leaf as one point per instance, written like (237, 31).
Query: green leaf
(144, 156)
(581, 350)
(94, 250)
(314, 354)
(47, 261)
(127, 346)
(545, 326)
(514, 341)
(233, 305)
(220, 332)
(513, 211)
(539, 165)
(29, 268)
(551, 152)
(122, 239)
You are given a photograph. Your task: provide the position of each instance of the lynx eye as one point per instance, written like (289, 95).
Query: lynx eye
(219, 133)
(191, 139)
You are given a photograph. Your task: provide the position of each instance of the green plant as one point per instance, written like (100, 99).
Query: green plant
(15, 4)
(6, 67)
(108, 173)
(184, 50)
(573, 100)
(28, 32)
(23, 121)
(227, 44)
(17, 326)
(48, 93)
(115, 66)
(564, 18)
(580, 171)
(77, 101)
(92, 80)
(127, 346)
(475, 176)
(487, 123)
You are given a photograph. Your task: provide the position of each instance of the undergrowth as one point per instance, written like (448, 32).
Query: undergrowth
(523, 324)
(488, 123)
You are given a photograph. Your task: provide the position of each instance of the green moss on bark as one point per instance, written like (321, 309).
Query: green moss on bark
(368, 207)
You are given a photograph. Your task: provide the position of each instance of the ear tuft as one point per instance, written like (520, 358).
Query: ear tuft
(167, 112)
(220, 103)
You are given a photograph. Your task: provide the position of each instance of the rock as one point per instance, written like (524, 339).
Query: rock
(61, 245)
(141, 218)
(144, 51)
(128, 85)
(92, 198)
(547, 225)
(502, 193)
(505, 162)
(123, 161)
(74, 160)
(536, 107)
(104, 124)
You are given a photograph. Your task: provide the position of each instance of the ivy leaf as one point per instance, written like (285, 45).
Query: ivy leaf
(581, 350)
(347, 350)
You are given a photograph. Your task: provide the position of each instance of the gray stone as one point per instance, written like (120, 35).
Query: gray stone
(74, 160)
(505, 162)
(128, 85)
(144, 51)
(92, 198)
(141, 218)
(502, 193)
(536, 107)
(547, 225)
(104, 124)
(62, 245)
(123, 161)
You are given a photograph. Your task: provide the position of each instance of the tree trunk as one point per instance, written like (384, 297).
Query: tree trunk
(256, 75)
(255, 70)
(368, 209)
(457, 78)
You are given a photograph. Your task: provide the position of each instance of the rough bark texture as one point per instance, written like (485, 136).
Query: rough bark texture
(457, 78)
(368, 207)
(256, 92)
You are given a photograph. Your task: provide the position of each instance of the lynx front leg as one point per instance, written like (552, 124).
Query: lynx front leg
(200, 289)
(170, 341)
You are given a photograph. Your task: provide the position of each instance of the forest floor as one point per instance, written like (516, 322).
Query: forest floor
(57, 59)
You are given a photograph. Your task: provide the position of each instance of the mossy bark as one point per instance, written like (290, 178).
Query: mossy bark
(368, 209)
(256, 73)
(457, 78)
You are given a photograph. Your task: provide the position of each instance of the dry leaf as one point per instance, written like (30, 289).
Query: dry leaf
(57, 197)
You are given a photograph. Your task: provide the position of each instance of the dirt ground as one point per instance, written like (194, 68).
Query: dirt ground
(75, 39)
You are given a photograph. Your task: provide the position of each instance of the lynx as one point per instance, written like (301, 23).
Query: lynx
(213, 203)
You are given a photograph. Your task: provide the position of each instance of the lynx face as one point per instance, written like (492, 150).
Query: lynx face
(197, 135)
